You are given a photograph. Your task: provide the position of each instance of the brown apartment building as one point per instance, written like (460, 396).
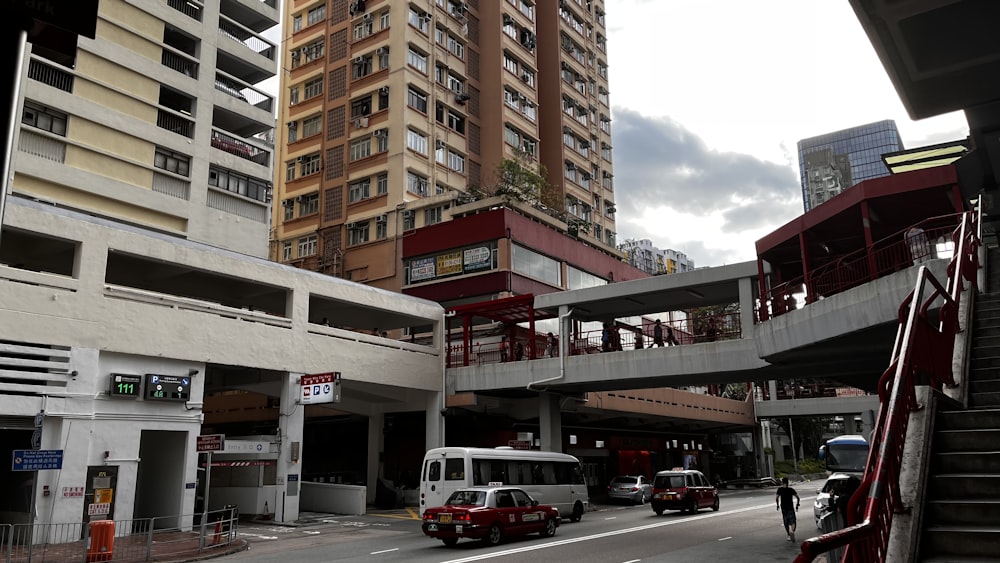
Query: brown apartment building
(394, 115)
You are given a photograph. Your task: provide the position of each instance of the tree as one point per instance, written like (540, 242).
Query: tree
(807, 431)
(723, 316)
(522, 179)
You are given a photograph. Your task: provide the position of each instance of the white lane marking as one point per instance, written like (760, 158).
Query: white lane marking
(263, 537)
(605, 534)
(726, 538)
(611, 518)
(384, 551)
(632, 561)
(311, 532)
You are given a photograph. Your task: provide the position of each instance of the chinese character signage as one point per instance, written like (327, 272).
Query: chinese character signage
(321, 388)
(453, 263)
(421, 269)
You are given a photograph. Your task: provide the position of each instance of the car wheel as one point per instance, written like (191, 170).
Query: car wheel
(450, 542)
(693, 507)
(642, 497)
(550, 528)
(577, 512)
(658, 511)
(494, 536)
(715, 507)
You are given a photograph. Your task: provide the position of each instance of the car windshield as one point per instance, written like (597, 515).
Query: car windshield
(624, 480)
(459, 498)
(669, 481)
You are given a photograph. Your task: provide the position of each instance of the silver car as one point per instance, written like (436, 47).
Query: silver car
(634, 488)
(836, 484)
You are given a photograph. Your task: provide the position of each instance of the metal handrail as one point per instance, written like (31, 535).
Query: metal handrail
(921, 347)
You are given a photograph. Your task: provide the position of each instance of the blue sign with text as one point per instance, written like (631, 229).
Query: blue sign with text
(36, 460)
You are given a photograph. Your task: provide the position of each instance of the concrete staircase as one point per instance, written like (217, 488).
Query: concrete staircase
(961, 519)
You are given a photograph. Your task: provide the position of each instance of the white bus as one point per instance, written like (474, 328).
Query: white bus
(550, 478)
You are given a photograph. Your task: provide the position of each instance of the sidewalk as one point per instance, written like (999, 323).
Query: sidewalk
(165, 547)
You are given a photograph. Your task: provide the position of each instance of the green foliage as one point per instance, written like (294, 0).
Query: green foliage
(807, 431)
(786, 467)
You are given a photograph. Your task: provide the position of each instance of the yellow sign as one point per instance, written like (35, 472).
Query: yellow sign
(103, 496)
(450, 263)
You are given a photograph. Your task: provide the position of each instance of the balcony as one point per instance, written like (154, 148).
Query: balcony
(240, 148)
(244, 92)
(42, 145)
(258, 15)
(245, 54)
(189, 8)
(50, 74)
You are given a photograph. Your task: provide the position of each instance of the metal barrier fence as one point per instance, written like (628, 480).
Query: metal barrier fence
(142, 539)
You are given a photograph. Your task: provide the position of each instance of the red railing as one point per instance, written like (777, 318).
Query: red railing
(900, 250)
(923, 346)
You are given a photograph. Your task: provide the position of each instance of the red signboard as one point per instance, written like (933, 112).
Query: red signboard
(211, 442)
(320, 388)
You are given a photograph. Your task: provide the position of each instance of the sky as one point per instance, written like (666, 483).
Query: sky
(709, 100)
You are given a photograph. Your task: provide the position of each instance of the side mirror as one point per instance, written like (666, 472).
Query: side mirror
(534, 502)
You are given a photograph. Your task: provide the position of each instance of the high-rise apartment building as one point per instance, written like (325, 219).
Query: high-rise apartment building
(831, 163)
(393, 114)
(652, 260)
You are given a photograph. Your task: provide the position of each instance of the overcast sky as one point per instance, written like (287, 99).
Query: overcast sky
(710, 98)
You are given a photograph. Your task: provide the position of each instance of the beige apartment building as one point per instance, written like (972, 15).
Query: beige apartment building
(392, 114)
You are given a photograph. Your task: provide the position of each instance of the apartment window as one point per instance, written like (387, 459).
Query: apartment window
(440, 36)
(530, 147)
(432, 215)
(528, 77)
(609, 208)
(170, 161)
(360, 148)
(416, 141)
(293, 131)
(382, 184)
(293, 95)
(511, 136)
(363, 29)
(611, 237)
(361, 107)
(238, 183)
(455, 83)
(456, 47)
(570, 171)
(289, 206)
(535, 265)
(290, 171)
(409, 221)
(530, 110)
(416, 100)
(606, 152)
(456, 161)
(312, 126)
(598, 232)
(307, 246)
(416, 184)
(440, 189)
(383, 98)
(383, 57)
(313, 88)
(510, 28)
(384, 19)
(381, 140)
(419, 20)
(308, 204)
(607, 181)
(417, 60)
(362, 67)
(316, 15)
(441, 74)
(313, 51)
(297, 23)
(41, 117)
(510, 63)
(357, 233)
(286, 250)
(512, 99)
(359, 190)
(440, 153)
(310, 164)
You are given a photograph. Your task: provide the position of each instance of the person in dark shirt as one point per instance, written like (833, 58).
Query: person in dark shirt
(783, 500)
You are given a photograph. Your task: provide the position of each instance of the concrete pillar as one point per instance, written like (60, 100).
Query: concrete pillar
(868, 424)
(550, 422)
(376, 445)
(290, 421)
(434, 435)
(746, 308)
(772, 389)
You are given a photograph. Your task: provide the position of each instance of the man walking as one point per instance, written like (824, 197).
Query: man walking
(783, 500)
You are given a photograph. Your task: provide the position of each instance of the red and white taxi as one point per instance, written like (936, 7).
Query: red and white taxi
(489, 514)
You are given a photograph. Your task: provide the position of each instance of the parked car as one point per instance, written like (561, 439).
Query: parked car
(489, 514)
(633, 488)
(836, 485)
(684, 490)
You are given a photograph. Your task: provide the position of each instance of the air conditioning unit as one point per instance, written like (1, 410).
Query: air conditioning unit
(382, 51)
(367, 17)
(288, 204)
(300, 198)
(525, 77)
(407, 214)
(380, 133)
(461, 98)
(426, 17)
(293, 125)
(381, 219)
(361, 122)
(300, 159)
(385, 89)
(351, 226)
(359, 60)
(439, 145)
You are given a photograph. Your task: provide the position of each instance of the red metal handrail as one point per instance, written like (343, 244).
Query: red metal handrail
(922, 347)
(885, 256)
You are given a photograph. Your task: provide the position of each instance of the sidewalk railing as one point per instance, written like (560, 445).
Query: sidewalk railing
(141, 539)
(924, 345)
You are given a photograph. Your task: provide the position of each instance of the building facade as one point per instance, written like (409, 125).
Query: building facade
(391, 115)
(134, 285)
(831, 163)
(650, 259)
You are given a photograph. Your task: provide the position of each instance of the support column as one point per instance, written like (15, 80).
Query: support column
(290, 422)
(550, 422)
(746, 308)
(867, 424)
(434, 435)
(376, 447)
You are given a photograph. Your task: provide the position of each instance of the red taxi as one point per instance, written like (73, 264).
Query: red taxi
(489, 514)
(684, 490)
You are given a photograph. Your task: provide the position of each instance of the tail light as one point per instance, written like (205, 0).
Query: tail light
(462, 517)
(634, 489)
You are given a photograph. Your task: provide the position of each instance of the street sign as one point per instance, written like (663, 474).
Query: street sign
(321, 388)
(36, 460)
(211, 442)
(125, 385)
(167, 387)
(36, 439)
(249, 447)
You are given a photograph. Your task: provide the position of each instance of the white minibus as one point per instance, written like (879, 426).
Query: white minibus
(550, 478)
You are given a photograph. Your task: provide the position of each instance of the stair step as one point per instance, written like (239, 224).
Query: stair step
(962, 512)
(968, 440)
(986, 357)
(965, 462)
(977, 400)
(952, 486)
(967, 419)
(962, 541)
(984, 339)
(982, 373)
(984, 385)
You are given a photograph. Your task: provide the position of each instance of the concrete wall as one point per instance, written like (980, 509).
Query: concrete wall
(334, 498)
